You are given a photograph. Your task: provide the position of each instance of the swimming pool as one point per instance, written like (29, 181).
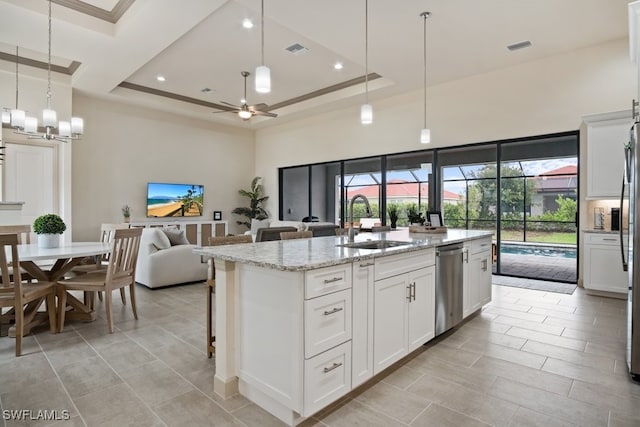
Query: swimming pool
(539, 250)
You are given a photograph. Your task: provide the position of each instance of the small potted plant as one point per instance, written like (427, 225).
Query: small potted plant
(126, 213)
(394, 211)
(414, 215)
(49, 227)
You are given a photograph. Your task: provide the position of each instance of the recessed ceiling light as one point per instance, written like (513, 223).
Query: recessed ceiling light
(520, 45)
(247, 23)
(338, 66)
(161, 78)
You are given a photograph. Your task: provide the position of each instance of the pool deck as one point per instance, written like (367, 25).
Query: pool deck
(539, 267)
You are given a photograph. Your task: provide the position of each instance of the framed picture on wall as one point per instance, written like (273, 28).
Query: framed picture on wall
(217, 215)
(435, 218)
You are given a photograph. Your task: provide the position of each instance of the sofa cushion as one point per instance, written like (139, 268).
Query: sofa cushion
(156, 238)
(258, 223)
(176, 236)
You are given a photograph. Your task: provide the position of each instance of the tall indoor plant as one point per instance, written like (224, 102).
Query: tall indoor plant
(393, 209)
(49, 227)
(256, 201)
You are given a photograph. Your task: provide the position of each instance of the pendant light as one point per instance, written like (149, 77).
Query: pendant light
(14, 117)
(425, 134)
(66, 130)
(366, 111)
(263, 74)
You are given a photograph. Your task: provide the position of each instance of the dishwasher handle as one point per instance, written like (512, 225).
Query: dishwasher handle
(450, 252)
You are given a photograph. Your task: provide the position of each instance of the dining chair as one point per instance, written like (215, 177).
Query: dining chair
(211, 284)
(379, 228)
(18, 295)
(23, 232)
(267, 234)
(120, 273)
(290, 235)
(107, 232)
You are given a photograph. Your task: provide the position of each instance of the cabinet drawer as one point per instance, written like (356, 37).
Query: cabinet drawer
(326, 378)
(480, 245)
(326, 280)
(393, 265)
(602, 239)
(327, 322)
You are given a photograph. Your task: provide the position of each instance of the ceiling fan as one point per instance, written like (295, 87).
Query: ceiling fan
(246, 111)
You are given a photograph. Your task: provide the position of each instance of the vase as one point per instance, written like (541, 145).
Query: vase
(393, 224)
(127, 219)
(48, 241)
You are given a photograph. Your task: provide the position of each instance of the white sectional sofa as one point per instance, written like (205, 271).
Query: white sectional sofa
(161, 263)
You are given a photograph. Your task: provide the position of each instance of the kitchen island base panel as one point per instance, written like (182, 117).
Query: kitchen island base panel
(266, 402)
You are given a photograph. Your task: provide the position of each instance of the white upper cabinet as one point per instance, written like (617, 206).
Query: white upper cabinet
(607, 135)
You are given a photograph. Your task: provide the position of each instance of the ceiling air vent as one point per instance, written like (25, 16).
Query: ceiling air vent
(520, 45)
(297, 49)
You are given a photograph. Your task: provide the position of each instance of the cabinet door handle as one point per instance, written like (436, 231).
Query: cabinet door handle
(332, 367)
(335, 279)
(409, 289)
(413, 286)
(610, 240)
(369, 264)
(465, 254)
(484, 265)
(335, 310)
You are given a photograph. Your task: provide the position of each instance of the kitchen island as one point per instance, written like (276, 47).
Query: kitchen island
(300, 323)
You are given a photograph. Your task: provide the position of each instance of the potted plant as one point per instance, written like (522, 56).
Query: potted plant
(256, 200)
(48, 228)
(414, 215)
(393, 209)
(126, 213)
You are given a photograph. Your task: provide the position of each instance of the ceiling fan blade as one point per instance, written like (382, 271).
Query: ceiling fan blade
(225, 111)
(265, 113)
(230, 104)
(261, 106)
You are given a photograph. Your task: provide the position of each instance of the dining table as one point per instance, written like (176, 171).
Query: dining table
(51, 264)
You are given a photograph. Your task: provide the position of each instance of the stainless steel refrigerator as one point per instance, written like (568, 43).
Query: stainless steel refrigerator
(630, 243)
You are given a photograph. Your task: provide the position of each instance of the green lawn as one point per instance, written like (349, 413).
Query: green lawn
(540, 236)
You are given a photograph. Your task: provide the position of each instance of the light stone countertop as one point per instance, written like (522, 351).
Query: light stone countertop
(317, 252)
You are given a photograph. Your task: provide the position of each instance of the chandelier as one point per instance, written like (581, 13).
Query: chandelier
(28, 125)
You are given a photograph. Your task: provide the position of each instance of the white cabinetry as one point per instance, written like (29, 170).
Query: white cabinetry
(362, 325)
(476, 277)
(603, 263)
(606, 136)
(197, 232)
(404, 306)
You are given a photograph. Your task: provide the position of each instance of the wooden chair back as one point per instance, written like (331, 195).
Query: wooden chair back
(23, 232)
(267, 234)
(290, 235)
(230, 240)
(108, 233)
(11, 286)
(124, 254)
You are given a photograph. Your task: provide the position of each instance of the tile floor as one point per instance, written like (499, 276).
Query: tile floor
(531, 358)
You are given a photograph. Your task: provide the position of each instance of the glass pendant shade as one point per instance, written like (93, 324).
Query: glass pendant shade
(31, 124)
(77, 126)
(244, 114)
(263, 79)
(425, 136)
(64, 129)
(49, 118)
(17, 118)
(366, 114)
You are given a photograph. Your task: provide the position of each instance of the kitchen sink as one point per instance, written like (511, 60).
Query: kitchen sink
(375, 244)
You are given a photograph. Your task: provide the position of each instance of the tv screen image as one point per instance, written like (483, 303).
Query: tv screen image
(173, 200)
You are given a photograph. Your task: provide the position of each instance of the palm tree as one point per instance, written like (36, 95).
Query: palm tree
(256, 200)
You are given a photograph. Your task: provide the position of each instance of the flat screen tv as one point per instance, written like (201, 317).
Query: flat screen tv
(174, 200)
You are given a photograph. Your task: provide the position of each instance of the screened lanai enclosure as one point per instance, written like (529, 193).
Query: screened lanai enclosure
(535, 179)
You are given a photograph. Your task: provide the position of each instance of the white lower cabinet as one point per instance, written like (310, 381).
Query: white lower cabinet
(327, 376)
(476, 275)
(603, 264)
(404, 311)
(362, 323)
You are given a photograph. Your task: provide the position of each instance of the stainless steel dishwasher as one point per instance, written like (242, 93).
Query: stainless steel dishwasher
(448, 287)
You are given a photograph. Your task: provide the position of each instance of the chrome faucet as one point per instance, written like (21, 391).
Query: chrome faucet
(352, 231)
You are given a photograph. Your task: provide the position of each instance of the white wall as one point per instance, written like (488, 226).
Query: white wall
(546, 96)
(125, 147)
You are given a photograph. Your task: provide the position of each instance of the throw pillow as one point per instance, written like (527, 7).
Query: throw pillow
(176, 236)
(258, 223)
(157, 238)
